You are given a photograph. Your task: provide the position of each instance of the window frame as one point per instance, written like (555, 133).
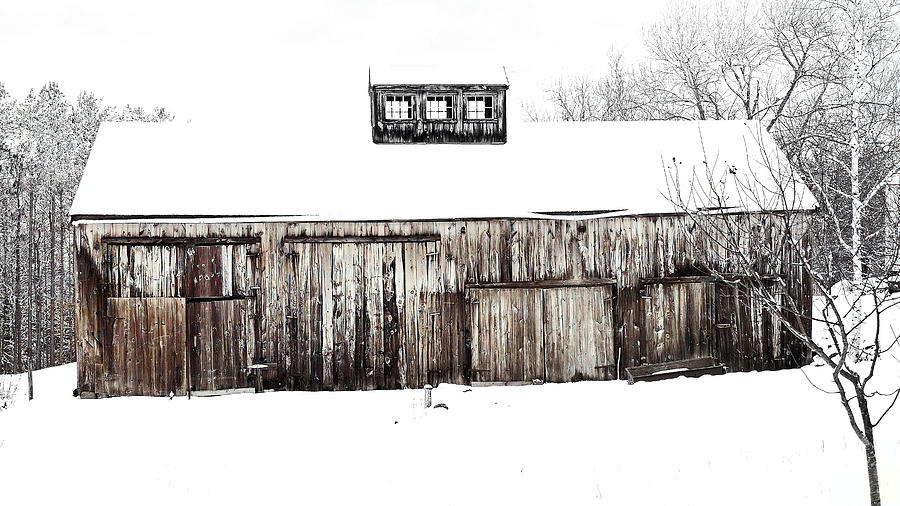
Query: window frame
(465, 106)
(455, 107)
(414, 106)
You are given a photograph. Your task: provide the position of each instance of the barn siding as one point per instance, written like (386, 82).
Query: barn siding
(625, 250)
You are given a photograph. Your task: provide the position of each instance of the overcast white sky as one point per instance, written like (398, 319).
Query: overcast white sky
(212, 60)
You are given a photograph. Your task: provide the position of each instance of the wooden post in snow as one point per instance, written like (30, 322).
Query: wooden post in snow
(427, 396)
(30, 385)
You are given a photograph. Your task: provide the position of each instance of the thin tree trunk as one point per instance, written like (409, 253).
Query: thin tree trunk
(17, 289)
(30, 328)
(52, 276)
(872, 466)
(855, 188)
(869, 444)
(65, 293)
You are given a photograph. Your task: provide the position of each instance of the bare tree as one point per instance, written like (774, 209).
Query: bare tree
(774, 235)
(617, 95)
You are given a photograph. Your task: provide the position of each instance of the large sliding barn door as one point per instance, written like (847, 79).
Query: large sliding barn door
(552, 334)
(364, 315)
(677, 320)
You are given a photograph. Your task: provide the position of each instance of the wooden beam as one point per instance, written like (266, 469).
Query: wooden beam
(677, 279)
(549, 283)
(699, 279)
(180, 241)
(713, 370)
(224, 391)
(365, 239)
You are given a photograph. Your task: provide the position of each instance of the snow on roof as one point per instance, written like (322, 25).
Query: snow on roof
(438, 74)
(312, 173)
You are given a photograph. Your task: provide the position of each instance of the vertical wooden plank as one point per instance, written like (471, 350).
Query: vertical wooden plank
(226, 275)
(354, 367)
(517, 335)
(582, 314)
(435, 289)
(374, 258)
(339, 312)
(473, 302)
(152, 342)
(204, 348)
(532, 327)
(137, 341)
(571, 311)
(424, 344)
(394, 314)
(500, 311)
(552, 325)
(409, 347)
(325, 259)
(602, 332)
(496, 336)
(179, 341)
(427, 346)
(230, 331)
(302, 312)
(119, 337)
(489, 308)
(315, 319)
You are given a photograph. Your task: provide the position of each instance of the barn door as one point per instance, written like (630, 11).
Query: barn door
(222, 308)
(507, 334)
(578, 333)
(748, 337)
(677, 320)
(220, 333)
(551, 334)
(147, 355)
(364, 315)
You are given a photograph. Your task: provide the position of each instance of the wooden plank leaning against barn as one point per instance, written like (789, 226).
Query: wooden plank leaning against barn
(418, 291)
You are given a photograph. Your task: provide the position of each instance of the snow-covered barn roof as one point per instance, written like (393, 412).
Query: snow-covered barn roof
(437, 74)
(317, 173)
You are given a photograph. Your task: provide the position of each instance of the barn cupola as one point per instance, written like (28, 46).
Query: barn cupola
(437, 105)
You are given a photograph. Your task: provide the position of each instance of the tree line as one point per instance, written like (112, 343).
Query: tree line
(45, 141)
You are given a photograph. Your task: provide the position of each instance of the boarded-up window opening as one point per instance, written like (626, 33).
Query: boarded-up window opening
(208, 271)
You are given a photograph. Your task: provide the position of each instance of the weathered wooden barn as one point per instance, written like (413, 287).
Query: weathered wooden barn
(218, 258)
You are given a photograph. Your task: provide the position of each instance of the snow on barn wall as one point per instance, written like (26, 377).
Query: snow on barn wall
(345, 263)
(400, 304)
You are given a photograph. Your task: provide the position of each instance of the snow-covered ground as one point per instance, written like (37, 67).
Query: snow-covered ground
(743, 438)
